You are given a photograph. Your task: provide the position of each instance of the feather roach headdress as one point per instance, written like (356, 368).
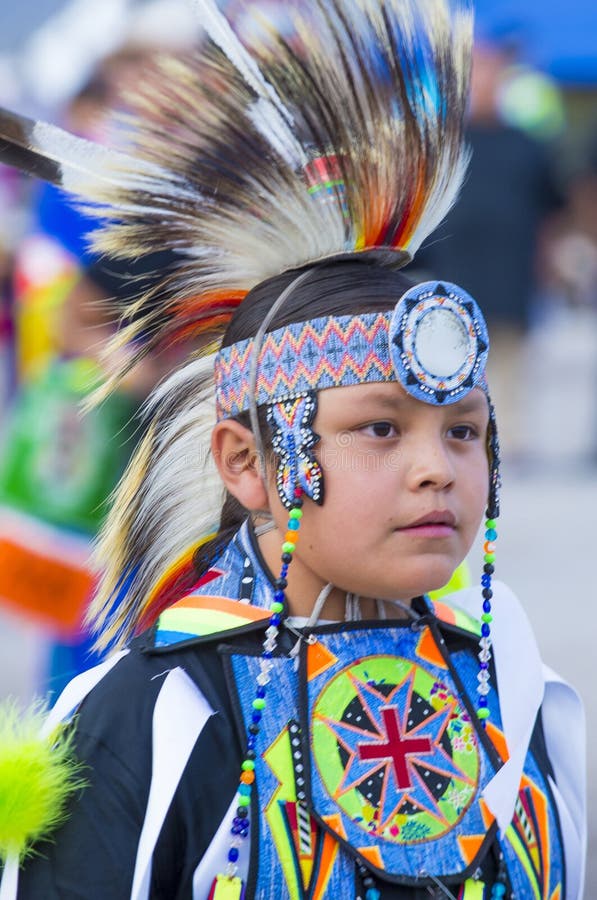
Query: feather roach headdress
(269, 150)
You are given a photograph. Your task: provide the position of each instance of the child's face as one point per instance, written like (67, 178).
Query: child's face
(390, 460)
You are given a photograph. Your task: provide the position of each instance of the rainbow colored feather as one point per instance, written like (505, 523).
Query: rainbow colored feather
(336, 131)
(327, 127)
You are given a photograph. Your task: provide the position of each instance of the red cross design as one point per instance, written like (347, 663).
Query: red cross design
(395, 748)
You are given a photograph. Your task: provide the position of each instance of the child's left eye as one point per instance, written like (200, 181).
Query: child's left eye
(463, 432)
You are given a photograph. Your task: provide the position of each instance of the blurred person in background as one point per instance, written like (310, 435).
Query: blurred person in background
(571, 258)
(13, 221)
(57, 466)
(6, 327)
(488, 242)
(569, 262)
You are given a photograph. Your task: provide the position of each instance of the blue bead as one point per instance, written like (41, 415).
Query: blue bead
(233, 854)
(490, 534)
(244, 790)
(279, 596)
(485, 629)
(498, 891)
(256, 716)
(275, 619)
(486, 580)
(267, 654)
(482, 701)
(486, 606)
(261, 691)
(372, 894)
(483, 665)
(294, 524)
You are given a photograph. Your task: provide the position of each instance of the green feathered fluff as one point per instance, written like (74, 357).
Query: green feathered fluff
(37, 776)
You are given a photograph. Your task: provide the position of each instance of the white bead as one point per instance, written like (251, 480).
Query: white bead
(483, 688)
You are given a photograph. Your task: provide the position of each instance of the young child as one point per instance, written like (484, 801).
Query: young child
(291, 715)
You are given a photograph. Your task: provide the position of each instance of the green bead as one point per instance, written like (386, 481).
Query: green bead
(490, 523)
(259, 703)
(489, 557)
(242, 800)
(487, 617)
(483, 713)
(287, 547)
(276, 607)
(295, 514)
(248, 765)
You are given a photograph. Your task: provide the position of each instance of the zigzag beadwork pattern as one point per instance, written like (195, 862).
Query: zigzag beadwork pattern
(305, 356)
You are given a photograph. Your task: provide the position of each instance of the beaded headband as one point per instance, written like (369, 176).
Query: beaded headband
(434, 343)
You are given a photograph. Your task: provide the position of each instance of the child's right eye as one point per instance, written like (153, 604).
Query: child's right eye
(381, 429)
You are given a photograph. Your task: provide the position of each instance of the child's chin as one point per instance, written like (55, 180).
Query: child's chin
(433, 581)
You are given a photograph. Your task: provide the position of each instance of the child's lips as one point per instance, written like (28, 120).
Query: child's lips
(440, 523)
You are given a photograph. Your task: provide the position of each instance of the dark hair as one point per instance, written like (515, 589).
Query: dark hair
(351, 285)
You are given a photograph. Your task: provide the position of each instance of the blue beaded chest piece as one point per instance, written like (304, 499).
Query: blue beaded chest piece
(372, 754)
(396, 759)
(374, 737)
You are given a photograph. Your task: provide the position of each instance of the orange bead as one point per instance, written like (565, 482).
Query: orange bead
(247, 777)
(489, 547)
(291, 537)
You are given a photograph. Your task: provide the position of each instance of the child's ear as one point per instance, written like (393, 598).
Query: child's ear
(235, 455)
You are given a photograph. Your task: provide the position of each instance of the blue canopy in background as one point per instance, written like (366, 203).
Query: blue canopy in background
(558, 37)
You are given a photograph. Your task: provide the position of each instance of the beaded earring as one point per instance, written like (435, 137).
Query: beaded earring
(493, 511)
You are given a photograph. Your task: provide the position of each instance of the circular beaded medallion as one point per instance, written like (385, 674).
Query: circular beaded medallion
(438, 342)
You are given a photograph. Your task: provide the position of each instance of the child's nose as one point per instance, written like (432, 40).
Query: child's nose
(431, 467)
